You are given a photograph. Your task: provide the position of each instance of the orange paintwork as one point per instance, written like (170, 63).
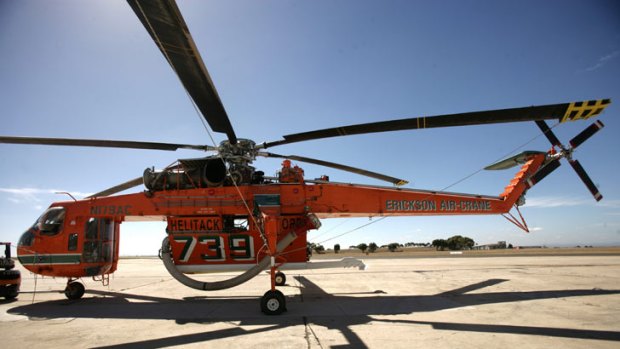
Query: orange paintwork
(200, 235)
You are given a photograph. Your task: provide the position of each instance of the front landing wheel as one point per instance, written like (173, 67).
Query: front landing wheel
(273, 303)
(74, 290)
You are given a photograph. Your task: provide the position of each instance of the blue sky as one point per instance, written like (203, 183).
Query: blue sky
(89, 70)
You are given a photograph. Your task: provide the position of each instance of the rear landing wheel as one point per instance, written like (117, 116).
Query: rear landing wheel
(273, 303)
(11, 292)
(74, 290)
(280, 279)
(11, 279)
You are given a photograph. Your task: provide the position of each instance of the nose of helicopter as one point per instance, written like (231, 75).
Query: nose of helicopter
(27, 239)
(48, 224)
(25, 248)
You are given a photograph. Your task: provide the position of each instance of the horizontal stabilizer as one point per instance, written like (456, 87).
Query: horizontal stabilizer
(513, 161)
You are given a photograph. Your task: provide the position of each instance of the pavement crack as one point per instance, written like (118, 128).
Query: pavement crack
(309, 334)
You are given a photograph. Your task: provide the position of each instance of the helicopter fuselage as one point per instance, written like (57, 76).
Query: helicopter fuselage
(225, 228)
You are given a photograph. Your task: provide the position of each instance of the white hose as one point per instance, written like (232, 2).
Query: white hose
(224, 284)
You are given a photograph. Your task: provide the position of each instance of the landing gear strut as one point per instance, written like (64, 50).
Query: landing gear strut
(273, 301)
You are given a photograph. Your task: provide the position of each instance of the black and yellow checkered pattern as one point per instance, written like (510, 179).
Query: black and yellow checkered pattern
(584, 110)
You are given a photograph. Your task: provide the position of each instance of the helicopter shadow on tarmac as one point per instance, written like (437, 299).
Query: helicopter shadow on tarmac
(312, 307)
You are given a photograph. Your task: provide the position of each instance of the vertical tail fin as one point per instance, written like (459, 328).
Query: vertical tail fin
(532, 161)
(518, 184)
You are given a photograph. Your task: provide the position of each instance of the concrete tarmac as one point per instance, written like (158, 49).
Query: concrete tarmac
(454, 302)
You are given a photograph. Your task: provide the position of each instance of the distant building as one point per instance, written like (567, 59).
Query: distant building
(497, 246)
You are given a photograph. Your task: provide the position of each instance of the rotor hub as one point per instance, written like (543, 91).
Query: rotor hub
(243, 151)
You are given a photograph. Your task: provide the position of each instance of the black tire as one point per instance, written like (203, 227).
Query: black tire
(273, 303)
(7, 264)
(10, 292)
(9, 274)
(74, 290)
(280, 279)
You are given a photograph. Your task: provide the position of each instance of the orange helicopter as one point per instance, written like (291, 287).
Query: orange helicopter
(223, 214)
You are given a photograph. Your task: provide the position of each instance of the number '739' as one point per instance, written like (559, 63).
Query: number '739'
(216, 248)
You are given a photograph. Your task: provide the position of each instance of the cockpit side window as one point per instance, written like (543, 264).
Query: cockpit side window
(98, 240)
(91, 230)
(50, 222)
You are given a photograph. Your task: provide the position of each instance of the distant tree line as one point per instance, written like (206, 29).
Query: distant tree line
(318, 248)
(455, 243)
(373, 247)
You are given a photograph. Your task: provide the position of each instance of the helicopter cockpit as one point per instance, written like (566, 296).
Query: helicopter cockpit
(82, 246)
(48, 224)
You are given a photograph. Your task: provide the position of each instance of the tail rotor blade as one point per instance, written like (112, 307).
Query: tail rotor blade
(585, 134)
(548, 133)
(586, 179)
(567, 153)
(543, 172)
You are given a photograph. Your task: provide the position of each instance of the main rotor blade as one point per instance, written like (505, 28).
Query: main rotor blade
(585, 134)
(393, 180)
(586, 179)
(164, 22)
(118, 188)
(102, 143)
(562, 112)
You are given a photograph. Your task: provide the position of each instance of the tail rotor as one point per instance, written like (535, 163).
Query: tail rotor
(567, 152)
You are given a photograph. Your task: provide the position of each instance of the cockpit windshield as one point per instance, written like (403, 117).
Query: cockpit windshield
(50, 222)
